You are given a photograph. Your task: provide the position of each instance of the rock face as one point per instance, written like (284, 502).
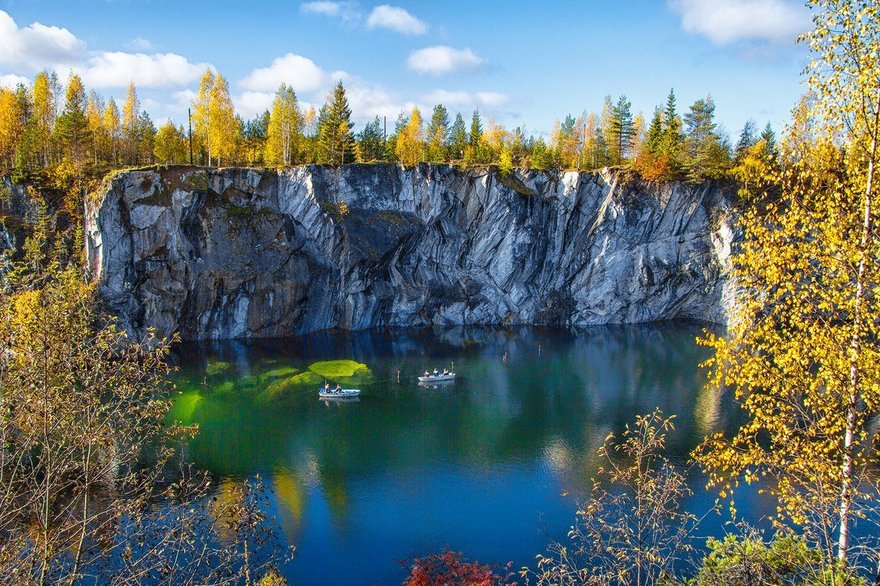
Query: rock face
(249, 253)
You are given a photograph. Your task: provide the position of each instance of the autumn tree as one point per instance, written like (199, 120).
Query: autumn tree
(11, 127)
(129, 125)
(170, 144)
(44, 95)
(222, 133)
(801, 354)
(282, 141)
(111, 123)
(410, 147)
(96, 132)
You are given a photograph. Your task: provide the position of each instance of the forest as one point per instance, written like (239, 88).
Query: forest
(93, 484)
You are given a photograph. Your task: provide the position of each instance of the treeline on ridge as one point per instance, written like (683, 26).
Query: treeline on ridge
(46, 126)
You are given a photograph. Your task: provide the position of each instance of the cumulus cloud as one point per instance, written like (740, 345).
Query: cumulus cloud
(37, 46)
(295, 70)
(442, 59)
(396, 19)
(11, 80)
(726, 21)
(117, 69)
(461, 99)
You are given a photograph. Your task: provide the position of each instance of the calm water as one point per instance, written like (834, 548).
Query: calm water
(491, 465)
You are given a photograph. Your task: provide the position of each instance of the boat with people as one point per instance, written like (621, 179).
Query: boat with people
(437, 376)
(326, 392)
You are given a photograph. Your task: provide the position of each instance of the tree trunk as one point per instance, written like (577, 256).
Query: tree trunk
(846, 484)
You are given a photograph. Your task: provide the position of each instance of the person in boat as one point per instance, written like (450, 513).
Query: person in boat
(326, 387)
(427, 373)
(436, 372)
(338, 388)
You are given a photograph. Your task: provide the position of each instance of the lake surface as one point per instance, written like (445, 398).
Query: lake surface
(491, 465)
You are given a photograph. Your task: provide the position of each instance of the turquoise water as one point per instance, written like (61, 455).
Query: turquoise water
(491, 465)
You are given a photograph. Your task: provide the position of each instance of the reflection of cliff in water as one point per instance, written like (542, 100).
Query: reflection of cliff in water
(540, 395)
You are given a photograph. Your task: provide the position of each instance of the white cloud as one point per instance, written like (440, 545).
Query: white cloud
(117, 69)
(492, 99)
(37, 46)
(443, 59)
(295, 70)
(368, 101)
(11, 80)
(726, 21)
(396, 19)
(345, 11)
(140, 44)
(249, 104)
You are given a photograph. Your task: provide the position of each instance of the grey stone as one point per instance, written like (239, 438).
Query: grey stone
(238, 253)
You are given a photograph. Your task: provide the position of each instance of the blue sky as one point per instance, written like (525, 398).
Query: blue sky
(522, 63)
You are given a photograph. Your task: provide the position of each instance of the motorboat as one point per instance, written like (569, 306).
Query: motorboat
(437, 377)
(340, 394)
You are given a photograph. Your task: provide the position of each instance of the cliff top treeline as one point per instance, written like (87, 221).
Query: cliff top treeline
(45, 126)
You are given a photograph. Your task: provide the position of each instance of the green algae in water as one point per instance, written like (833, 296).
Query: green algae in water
(342, 371)
(218, 367)
(184, 407)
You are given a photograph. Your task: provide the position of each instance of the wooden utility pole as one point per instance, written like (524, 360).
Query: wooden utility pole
(190, 123)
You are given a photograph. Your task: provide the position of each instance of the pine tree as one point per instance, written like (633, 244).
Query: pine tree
(619, 131)
(72, 127)
(705, 155)
(335, 140)
(255, 134)
(476, 132)
(671, 144)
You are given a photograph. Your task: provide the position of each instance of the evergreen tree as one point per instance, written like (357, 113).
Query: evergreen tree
(72, 126)
(335, 140)
(747, 139)
(457, 137)
(705, 153)
(146, 138)
(620, 132)
(476, 131)
(769, 138)
(254, 135)
(438, 134)
(672, 142)
(370, 142)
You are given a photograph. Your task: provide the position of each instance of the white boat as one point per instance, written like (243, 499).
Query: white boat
(440, 377)
(342, 394)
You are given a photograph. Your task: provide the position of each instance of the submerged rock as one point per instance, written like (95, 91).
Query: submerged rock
(238, 253)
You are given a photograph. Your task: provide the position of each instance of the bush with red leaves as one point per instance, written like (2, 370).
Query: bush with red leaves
(450, 568)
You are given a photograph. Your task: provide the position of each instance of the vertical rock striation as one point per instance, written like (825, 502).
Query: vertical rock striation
(251, 253)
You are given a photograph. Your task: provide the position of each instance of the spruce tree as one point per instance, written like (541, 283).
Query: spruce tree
(335, 140)
(457, 137)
